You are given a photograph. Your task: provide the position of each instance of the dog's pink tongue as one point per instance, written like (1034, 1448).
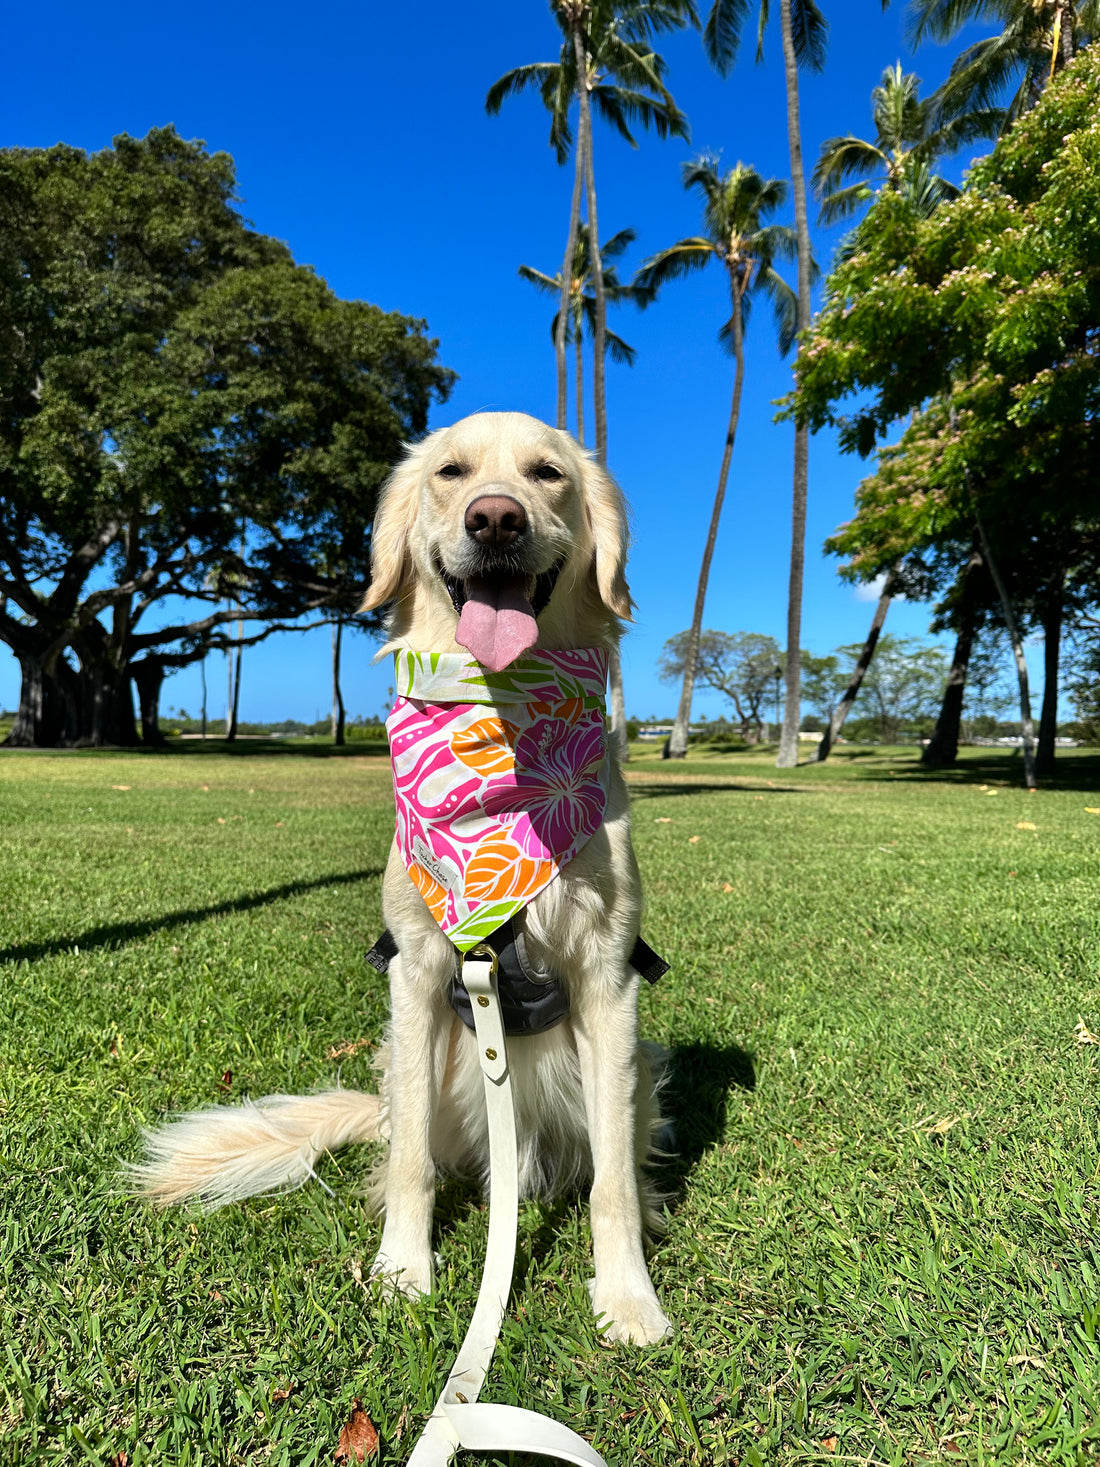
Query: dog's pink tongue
(497, 624)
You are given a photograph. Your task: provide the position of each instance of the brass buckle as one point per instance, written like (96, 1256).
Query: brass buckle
(483, 950)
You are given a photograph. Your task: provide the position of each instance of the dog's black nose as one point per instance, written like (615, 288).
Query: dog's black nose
(495, 519)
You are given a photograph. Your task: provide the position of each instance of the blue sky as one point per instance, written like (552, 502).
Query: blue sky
(360, 138)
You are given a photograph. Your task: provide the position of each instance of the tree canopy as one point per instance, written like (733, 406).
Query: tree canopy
(187, 412)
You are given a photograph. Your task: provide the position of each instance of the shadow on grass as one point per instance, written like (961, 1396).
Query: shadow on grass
(118, 934)
(706, 787)
(697, 1086)
(1073, 772)
(248, 747)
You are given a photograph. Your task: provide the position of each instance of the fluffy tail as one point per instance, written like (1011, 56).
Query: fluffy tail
(225, 1153)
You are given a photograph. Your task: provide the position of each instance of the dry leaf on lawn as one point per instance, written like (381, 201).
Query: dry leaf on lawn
(726, 886)
(828, 1443)
(1025, 825)
(1092, 809)
(120, 786)
(358, 1439)
(692, 839)
(662, 820)
(1083, 1034)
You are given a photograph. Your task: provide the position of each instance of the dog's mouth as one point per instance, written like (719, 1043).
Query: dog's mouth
(497, 608)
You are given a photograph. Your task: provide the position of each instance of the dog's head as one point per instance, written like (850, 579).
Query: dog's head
(495, 532)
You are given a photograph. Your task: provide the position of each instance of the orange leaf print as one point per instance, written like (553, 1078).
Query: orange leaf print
(499, 870)
(486, 746)
(569, 710)
(430, 889)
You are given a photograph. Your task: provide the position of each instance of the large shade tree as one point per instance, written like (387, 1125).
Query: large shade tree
(803, 30)
(740, 240)
(188, 414)
(981, 322)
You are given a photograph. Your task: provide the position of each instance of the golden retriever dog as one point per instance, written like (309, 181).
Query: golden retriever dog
(584, 1092)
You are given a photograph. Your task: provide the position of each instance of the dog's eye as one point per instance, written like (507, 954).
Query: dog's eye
(547, 473)
(451, 471)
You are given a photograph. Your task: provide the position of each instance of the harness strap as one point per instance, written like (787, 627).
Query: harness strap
(459, 1422)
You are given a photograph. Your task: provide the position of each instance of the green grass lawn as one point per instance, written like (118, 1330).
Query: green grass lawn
(883, 1241)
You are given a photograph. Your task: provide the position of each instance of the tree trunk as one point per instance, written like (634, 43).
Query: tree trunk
(568, 265)
(234, 714)
(620, 744)
(63, 708)
(337, 696)
(595, 264)
(787, 757)
(942, 749)
(202, 668)
(148, 676)
(676, 747)
(579, 345)
(1048, 719)
(1018, 654)
(859, 672)
(43, 714)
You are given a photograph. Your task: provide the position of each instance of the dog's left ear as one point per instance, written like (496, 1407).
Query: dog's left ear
(606, 510)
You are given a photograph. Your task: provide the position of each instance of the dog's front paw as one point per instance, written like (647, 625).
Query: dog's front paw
(410, 1276)
(629, 1318)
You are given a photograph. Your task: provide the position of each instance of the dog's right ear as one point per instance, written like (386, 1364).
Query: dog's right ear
(393, 519)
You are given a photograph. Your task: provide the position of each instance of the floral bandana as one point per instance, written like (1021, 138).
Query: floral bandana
(499, 778)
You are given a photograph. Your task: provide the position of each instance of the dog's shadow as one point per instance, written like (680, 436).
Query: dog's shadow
(695, 1091)
(697, 1084)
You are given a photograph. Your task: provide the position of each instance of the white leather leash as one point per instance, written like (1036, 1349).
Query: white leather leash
(459, 1422)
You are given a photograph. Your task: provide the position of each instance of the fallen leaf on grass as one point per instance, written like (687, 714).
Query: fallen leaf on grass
(220, 820)
(991, 792)
(225, 1084)
(347, 1047)
(282, 1394)
(1083, 1034)
(120, 1459)
(1092, 809)
(693, 840)
(662, 820)
(829, 1443)
(120, 786)
(358, 1439)
(726, 886)
(1025, 825)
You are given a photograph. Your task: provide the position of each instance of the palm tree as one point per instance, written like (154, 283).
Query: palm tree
(1037, 39)
(735, 205)
(582, 303)
(909, 138)
(803, 30)
(606, 63)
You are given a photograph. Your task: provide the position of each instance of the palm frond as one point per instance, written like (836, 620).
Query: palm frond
(612, 248)
(843, 202)
(810, 33)
(683, 258)
(785, 305)
(513, 82)
(845, 157)
(548, 284)
(722, 33)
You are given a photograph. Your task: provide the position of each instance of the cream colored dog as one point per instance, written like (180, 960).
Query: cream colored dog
(583, 1090)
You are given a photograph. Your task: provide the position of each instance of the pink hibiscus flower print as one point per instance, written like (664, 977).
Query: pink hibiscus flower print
(558, 786)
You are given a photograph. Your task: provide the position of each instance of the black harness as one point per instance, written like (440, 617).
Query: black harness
(532, 998)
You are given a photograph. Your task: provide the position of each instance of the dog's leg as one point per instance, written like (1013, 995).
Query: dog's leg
(418, 1046)
(606, 1028)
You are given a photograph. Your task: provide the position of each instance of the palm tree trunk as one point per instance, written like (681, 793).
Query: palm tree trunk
(1018, 653)
(1048, 718)
(579, 343)
(678, 739)
(202, 669)
(337, 696)
(620, 744)
(792, 711)
(859, 672)
(567, 284)
(599, 349)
